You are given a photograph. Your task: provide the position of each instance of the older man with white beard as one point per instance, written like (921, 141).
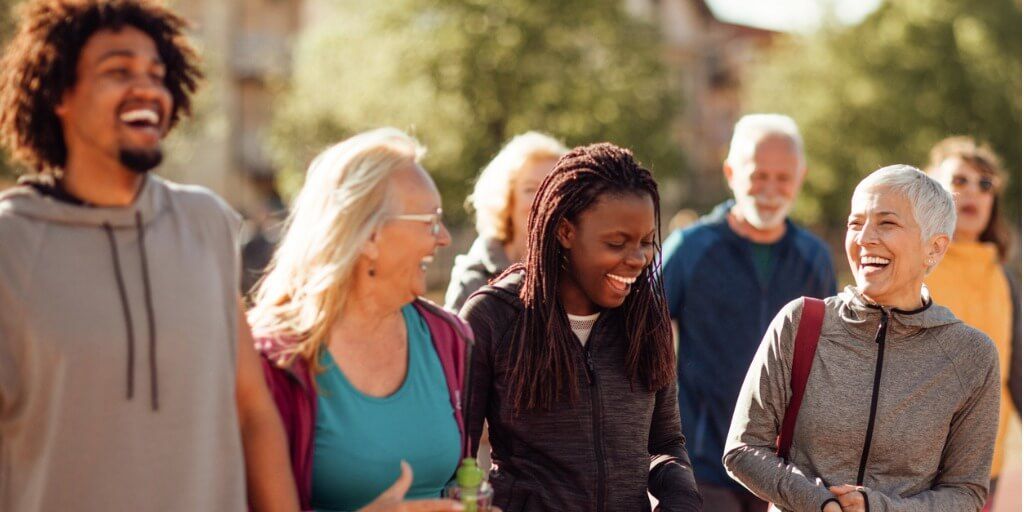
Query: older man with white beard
(726, 277)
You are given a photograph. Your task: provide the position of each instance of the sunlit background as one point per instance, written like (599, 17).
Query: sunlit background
(870, 82)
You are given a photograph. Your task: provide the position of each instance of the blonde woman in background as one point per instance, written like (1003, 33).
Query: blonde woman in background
(501, 199)
(971, 281)
(366, 375)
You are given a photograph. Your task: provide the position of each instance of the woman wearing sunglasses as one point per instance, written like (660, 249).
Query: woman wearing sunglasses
(971, 281)
(364, 372)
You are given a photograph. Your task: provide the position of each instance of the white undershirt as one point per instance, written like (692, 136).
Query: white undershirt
(582, 325)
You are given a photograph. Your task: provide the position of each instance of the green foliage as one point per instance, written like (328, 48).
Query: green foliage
(885, 91)
(466, 75)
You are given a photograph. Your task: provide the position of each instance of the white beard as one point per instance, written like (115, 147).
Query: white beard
(755, 217)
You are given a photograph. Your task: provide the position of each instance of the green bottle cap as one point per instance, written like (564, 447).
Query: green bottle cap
(469, 475)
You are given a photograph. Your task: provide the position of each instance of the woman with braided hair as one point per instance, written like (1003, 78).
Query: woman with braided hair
(573, 367)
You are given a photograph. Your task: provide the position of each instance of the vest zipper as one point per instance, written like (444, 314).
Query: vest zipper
(597, 413)
(880, 341)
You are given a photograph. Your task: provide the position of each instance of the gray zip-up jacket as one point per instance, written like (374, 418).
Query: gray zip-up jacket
(905, 404)
(600, 454)
(484, 261)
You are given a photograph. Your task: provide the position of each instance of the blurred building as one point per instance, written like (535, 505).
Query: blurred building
(711, 58)
(246, 45)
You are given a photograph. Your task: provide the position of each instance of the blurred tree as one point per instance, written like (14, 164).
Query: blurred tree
(886, 90)
(466, 75)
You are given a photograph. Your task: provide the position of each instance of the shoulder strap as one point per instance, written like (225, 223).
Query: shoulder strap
(806, 344)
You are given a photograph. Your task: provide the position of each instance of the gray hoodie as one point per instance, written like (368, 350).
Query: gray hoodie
(484, 261)
(904, 403)
(117, 353)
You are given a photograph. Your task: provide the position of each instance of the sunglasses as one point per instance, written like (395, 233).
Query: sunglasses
(434, 219)
(985, 183)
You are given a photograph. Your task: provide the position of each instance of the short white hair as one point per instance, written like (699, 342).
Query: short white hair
(491, 197)
(932, 204)
(751, 129)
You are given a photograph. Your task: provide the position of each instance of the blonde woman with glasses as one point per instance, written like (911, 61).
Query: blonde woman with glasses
(367, 375)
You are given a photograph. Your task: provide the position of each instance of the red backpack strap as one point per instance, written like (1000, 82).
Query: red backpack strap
(806, 344)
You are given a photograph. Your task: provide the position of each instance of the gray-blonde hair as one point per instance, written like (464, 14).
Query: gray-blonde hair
(344, 200)
(492, 196)
(932, 204)
(751, 129)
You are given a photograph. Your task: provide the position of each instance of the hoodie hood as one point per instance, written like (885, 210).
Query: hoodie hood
(507, 289)
(861, 316)
(29, 202)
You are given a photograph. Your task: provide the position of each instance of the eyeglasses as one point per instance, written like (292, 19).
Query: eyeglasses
(434, 219)
(985, 183)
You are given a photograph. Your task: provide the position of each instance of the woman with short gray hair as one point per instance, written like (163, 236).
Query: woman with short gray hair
(877, 399)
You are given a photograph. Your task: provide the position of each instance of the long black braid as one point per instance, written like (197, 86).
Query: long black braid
(545, 361)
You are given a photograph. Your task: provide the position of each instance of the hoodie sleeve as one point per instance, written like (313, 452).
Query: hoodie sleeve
(671, 478)
(963, 477)
(478, 313)
(750, 455)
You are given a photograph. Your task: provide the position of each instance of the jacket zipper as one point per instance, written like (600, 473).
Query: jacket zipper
(595, 403)
(880, 341)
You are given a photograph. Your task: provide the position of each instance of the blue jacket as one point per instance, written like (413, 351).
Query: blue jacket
(723, 311)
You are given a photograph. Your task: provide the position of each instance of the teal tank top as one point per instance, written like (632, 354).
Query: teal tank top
(360, 440)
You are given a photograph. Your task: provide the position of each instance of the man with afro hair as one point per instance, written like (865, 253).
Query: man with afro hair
(128, 378)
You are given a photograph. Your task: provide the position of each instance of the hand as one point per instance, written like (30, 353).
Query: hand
(850, 497)
(391, 499)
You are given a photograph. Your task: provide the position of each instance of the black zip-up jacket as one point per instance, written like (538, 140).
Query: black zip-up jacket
(601, 454)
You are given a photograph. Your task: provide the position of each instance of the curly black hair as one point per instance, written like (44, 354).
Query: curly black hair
(40, 62)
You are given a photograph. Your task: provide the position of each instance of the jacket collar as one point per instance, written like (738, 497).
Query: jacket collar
(861, 316)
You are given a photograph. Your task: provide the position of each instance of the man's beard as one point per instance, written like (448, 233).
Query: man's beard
(759, 220)
(140, 161)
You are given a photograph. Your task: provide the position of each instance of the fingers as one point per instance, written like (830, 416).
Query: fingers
(432, 506)
(391, 498)
(840, 490)
(852, 502)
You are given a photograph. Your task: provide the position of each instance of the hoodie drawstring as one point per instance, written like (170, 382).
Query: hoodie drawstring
(153, 378)
(154, 391)
(124, 305)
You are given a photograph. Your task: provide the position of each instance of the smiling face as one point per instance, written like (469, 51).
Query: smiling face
(974, 193)
(402, 249)
(885, 250)
(119, 108)
(766, 185)
(608, 246)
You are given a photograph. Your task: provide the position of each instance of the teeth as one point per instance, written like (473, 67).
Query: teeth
(624, 280)
(140, 115)
(425, 262)
(874, 260)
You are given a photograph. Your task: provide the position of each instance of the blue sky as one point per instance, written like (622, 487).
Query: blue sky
(791, 15)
